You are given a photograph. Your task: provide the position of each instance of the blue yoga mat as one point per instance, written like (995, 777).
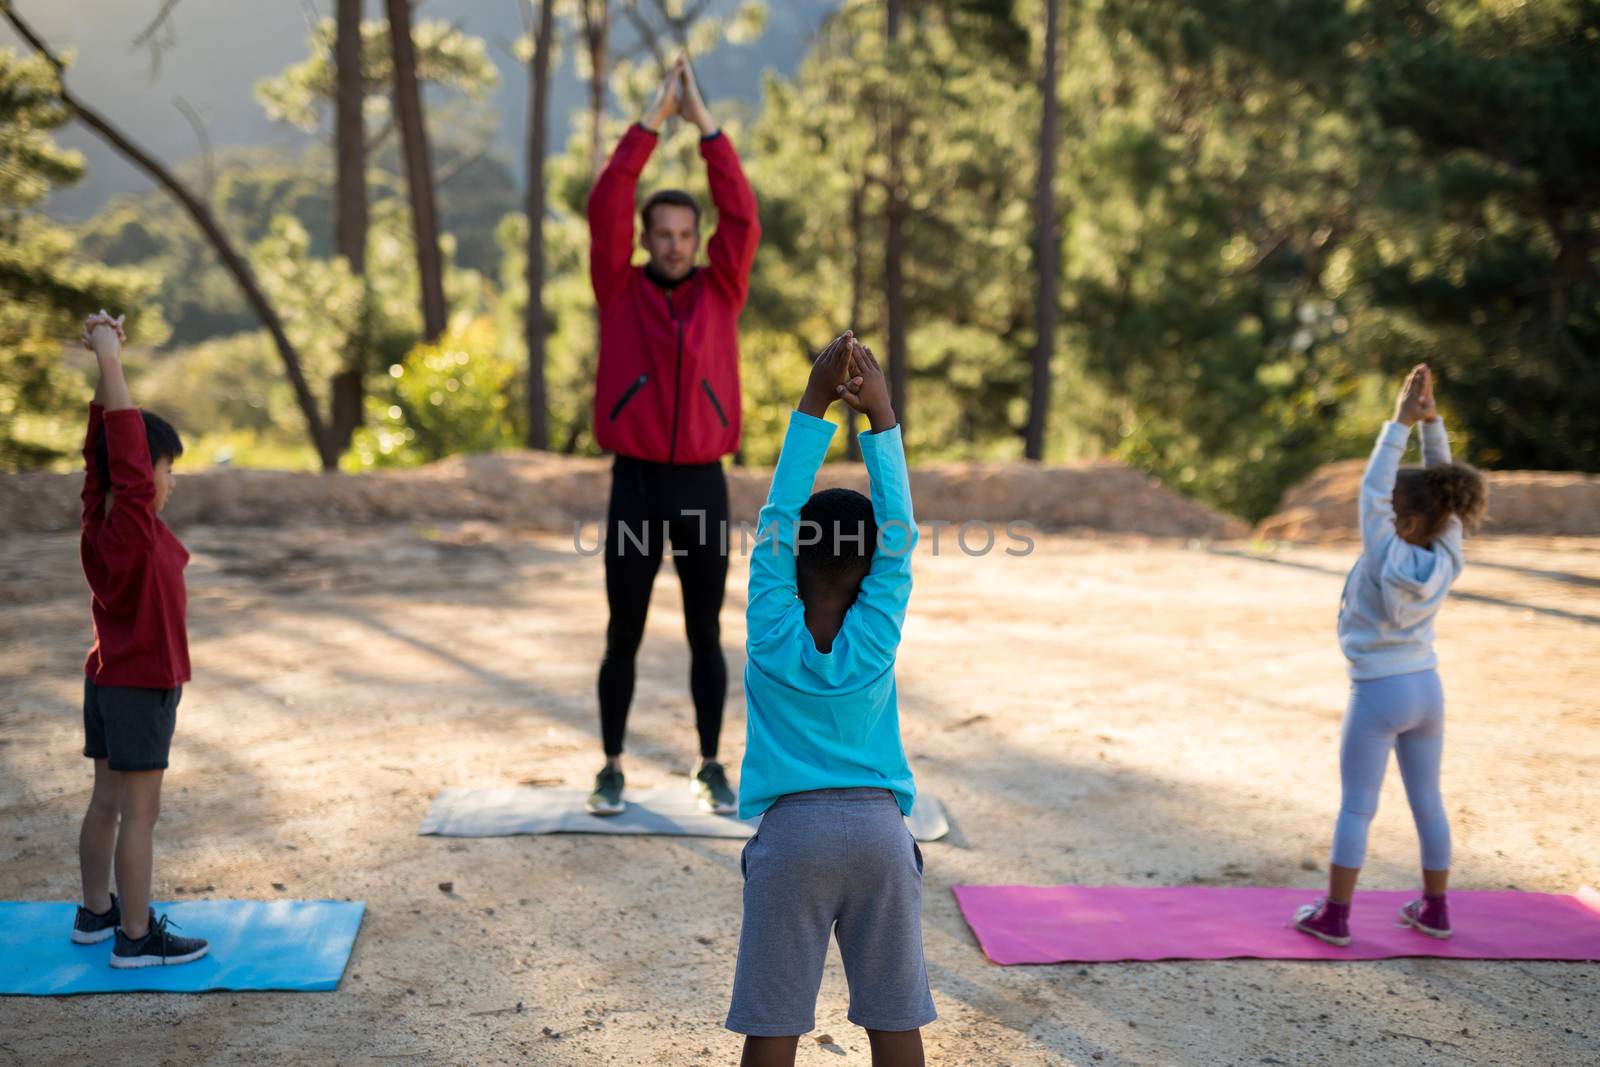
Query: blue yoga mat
(255, 944)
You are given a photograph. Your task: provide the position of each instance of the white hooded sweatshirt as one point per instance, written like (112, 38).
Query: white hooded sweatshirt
(1395, 588)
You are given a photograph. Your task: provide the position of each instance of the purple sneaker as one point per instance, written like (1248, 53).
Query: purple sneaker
(1429, 915)
(1326, 921)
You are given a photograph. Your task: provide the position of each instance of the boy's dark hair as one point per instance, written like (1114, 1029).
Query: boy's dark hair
(159, 434)
(1433, 494)
(674, 197)
(836, 539)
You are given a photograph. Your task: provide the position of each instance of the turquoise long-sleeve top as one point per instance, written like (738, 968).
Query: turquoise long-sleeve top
(826, 720)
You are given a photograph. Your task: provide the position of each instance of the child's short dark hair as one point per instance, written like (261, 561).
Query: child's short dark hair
(1433, 494)
(836, 539)
(159, 434)
(674, 197)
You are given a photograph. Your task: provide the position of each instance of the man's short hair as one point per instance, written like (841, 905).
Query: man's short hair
(674, 197)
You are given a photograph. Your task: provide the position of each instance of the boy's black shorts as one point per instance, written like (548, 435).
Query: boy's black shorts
(129, 728)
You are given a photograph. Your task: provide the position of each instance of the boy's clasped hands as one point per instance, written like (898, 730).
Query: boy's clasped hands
(847, 370)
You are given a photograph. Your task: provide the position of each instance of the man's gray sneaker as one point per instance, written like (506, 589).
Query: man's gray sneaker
(607, 796)
(712, 790)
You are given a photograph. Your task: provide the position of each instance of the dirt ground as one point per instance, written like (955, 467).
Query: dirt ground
(1323, 507)
(1100, 711)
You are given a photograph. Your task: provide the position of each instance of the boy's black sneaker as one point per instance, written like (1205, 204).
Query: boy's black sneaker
(91, 929)
(157, 948)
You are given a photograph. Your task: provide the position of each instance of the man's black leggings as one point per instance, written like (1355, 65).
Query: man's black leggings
(654, 505)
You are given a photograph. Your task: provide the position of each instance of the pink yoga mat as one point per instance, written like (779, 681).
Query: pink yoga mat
(1104, 924)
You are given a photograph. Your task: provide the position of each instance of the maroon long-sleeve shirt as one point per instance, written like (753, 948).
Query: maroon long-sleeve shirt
(133, 562)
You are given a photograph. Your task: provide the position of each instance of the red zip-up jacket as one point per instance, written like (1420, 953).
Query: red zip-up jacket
(133, 562)
(667, 388)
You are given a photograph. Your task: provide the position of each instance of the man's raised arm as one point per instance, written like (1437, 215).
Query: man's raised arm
(732, 250)
(612, 199)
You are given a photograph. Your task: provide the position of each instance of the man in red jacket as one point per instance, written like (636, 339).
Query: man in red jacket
(135, 672)
(667, 403)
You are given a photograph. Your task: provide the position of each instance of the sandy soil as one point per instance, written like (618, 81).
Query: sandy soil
(1101, 711)
(538, 489)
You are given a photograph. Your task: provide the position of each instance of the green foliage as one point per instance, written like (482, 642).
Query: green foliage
(303, 93)
(460, 395)
(666, 27)
(46, 286)
(232, 382)
(256, 186)
(1266, 211)
(820, 144)
(474, 186)
(1384, 183)
(254, 189)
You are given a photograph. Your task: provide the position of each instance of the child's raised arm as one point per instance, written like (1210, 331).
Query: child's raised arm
(1436, 453)
(103, 336)
(1377, 485)
(773, 589)
(132, 517)
(94, 487)
(875, 620)
(1435, 442)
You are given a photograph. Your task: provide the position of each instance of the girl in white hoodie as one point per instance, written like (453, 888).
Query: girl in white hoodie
(1411, 527)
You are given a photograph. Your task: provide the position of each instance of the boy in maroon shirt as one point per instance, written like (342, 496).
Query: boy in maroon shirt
(135, 671)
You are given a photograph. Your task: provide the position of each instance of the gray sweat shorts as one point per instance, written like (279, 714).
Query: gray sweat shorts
(837, 861)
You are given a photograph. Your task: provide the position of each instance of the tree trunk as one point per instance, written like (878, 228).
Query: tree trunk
(350, 198)
(596, 35)
(419, 168)
(852, 440)
(893, 238)
(231, 260)
(533, 321)
(347, 388)
(1047, 246)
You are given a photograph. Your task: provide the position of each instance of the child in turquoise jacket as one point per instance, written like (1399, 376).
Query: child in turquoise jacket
(830, 578)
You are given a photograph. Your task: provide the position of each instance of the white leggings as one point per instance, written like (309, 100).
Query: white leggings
(1404, 713)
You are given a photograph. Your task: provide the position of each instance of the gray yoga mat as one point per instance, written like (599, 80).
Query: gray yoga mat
(667, 811)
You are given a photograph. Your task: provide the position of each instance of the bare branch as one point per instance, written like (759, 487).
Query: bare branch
(508, 48)
(379, 139)
(648, 38)
(330, 37)
(462, 165)
(694, 13)
(158, 36)
(234, 263)
(207, 157)
(157, 24)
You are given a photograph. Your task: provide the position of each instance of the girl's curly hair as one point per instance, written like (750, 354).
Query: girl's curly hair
(1434, 494)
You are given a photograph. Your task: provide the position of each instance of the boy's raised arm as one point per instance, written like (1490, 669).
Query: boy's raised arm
(133, 515)
(879, 613)
(773, 588)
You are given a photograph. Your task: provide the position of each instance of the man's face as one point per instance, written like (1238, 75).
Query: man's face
(673, 240)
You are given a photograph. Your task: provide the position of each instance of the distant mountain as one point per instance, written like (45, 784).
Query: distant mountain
(221, 48)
